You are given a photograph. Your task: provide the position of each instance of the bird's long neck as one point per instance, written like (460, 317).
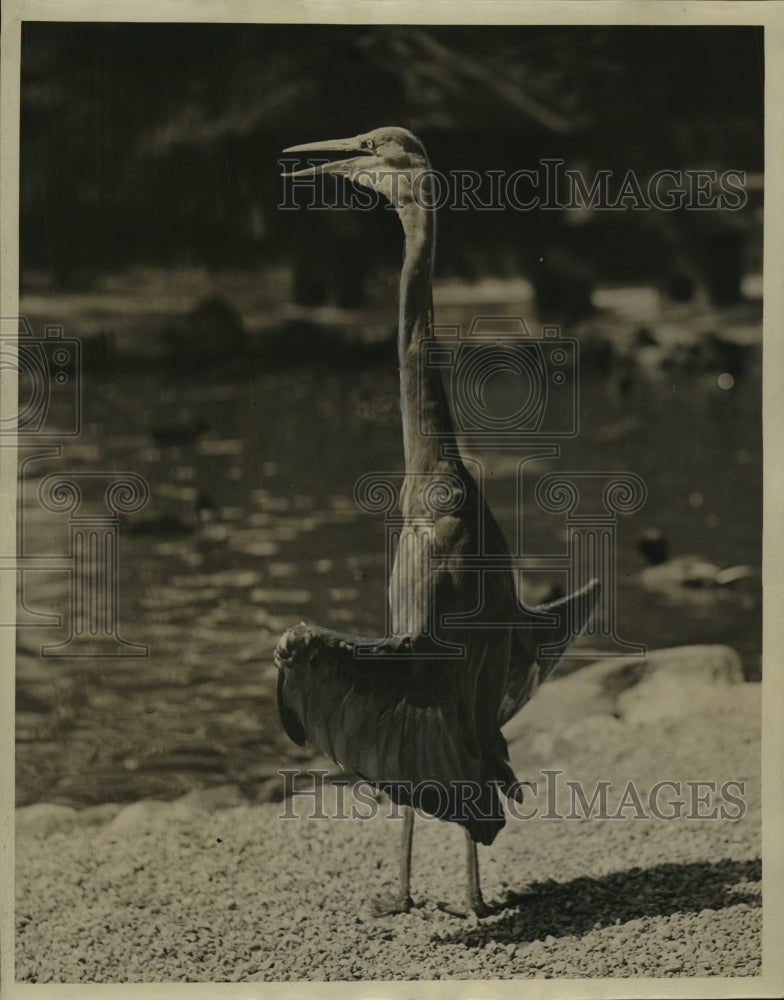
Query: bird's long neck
(427, 423)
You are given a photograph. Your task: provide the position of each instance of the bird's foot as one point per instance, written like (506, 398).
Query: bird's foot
(476, 909)
(387, 906)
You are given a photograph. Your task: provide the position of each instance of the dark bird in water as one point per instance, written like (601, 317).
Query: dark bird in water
(397, 711)
(670, 575)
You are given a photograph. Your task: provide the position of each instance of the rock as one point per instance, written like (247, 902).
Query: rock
(43, 819)
(139, 815)
(707, 663)
(271, 790)
(212, 799)
(592, 730)
(681, 681)
(98, 815)
(563, 702)
(668, 683)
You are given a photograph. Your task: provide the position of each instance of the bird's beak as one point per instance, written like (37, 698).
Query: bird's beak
(358, 157)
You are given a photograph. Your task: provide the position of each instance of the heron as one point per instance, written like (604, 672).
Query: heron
(420, 723)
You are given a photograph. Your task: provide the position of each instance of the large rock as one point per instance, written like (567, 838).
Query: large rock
(43, 819)
(151, 814)
(667, 684)
(687, 680)
(212, 799)
(98, 815)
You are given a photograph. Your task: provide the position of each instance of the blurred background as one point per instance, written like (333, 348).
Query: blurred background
(242, 358)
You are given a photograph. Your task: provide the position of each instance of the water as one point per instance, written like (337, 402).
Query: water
(252, 526)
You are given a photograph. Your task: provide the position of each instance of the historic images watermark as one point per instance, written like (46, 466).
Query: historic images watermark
(550, 186)
(551, 796)
(49, 378)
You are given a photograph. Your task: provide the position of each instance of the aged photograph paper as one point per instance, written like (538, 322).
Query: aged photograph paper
(382, 466)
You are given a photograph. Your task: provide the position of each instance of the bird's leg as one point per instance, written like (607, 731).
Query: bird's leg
(474, 900)
(402, 902)
(406, 844)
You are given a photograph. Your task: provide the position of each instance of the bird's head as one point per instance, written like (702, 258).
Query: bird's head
(390, 160)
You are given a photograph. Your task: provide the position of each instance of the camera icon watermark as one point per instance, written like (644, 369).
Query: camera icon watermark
(48, 371)
(504, 383)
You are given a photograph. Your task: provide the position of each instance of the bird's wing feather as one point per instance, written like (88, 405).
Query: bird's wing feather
(537, 651)
(393, 719)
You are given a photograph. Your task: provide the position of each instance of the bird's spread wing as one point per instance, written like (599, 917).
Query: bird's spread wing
(537, 651)
(392, 716)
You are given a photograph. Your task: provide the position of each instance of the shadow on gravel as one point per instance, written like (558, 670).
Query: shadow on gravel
(576, 907)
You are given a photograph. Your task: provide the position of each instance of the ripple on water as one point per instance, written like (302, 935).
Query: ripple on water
(263, 595)
(282, 569)
(176, 550)
(215, 447)
(238, 578)
(340, 594)
(259, 547)
(168, 598)
(269, 501)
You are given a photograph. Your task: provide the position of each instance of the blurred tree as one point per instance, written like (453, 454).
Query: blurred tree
(158, 143)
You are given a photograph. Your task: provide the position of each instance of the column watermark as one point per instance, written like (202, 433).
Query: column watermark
(50, 412)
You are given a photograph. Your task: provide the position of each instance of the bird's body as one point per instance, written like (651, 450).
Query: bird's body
(405, 714)
(420, 711)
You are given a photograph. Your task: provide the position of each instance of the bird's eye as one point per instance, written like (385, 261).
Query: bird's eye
(368, 144)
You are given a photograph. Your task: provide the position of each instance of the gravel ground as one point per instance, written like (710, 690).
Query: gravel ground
(213, 888)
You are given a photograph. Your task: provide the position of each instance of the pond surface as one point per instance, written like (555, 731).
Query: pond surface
(252, 526)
